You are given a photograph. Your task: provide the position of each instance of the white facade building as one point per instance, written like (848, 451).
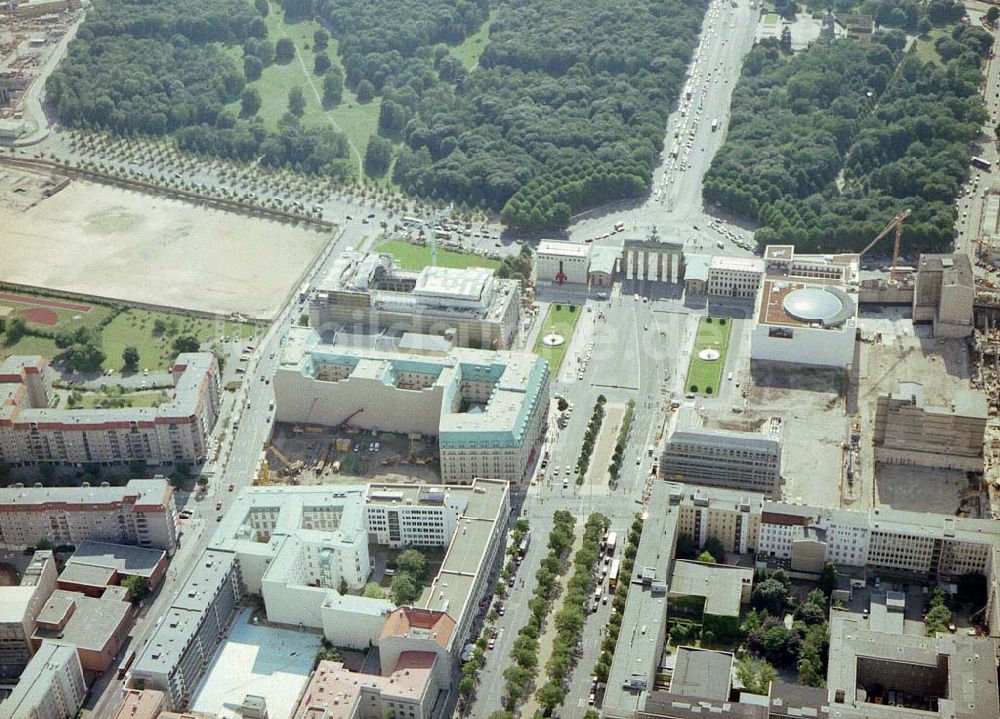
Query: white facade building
(487, 408)
(561, 262)
(363, 292)
(806, 311)
(140, 513)
(735, 276)
(19, 607)
(51, 686)
(295, 545)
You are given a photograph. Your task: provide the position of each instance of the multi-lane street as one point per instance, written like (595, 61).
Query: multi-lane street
(639, 344)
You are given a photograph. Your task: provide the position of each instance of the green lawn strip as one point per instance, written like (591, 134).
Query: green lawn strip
(29, 345)
(704, 377)
(417, 257)
(135, 328)
(96, 400)
(560, 319)
(472, 47)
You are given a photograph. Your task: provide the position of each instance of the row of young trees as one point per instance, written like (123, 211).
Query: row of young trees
(827, 145)
(520, 675)
(569, 620)
(590, 438)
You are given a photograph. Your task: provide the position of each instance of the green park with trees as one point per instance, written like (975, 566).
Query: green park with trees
(825, 146)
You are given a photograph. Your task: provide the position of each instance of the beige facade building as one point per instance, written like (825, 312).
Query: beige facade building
(730, 516)
(141, 704)
(140, 513)
(735, 276)
(19, 606)
(176, 431)
(944, 294)
(487, 408)
(365, 292)
(749, 461)
(908, 431)
(409, 691)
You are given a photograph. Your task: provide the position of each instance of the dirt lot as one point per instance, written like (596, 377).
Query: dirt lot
(107, 241)
(922, 489)
(359, 463)
(811, 406)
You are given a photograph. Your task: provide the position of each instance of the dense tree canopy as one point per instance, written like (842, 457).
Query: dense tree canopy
(157, 69)
(566, 109)
(826, 146)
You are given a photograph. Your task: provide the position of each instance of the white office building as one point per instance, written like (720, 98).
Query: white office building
(806, 311)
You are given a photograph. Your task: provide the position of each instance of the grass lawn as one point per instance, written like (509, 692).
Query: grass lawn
(135, 327)
(924, 46)
(417, 257)
(97, 400)
(560, 319)
(28, 345)
(704, 377)
(356, 120)
(472, 47)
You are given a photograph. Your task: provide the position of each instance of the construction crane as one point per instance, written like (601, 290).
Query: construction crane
(897, 224)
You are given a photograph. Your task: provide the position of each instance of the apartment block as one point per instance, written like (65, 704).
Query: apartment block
(141, 513)
(910, 431)
(731, 517)
(176, 431)
(366, 292)
(735, 276)
(182, 646)
(51, 686)
(723, 458)
(19, 606)
(487, 408)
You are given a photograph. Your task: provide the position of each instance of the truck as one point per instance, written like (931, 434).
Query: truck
(610, 542)
(522, 548)
(715, 125)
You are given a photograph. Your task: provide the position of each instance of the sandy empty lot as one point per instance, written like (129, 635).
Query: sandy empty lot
(116, 243)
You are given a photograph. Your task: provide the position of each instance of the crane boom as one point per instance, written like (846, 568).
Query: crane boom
(896, 223)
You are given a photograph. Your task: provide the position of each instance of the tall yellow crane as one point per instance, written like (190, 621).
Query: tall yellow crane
(897, 224)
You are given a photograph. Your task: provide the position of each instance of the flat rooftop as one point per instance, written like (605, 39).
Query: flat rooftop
(643, 629)
(558, 248)
(37, 679)
(737, 264)
(333, 691)
(445, 282)
(153, 492)
(702, 673)
(264, 661)
(124, 559)
(720, 584)
(803, 304)
(89, 623)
